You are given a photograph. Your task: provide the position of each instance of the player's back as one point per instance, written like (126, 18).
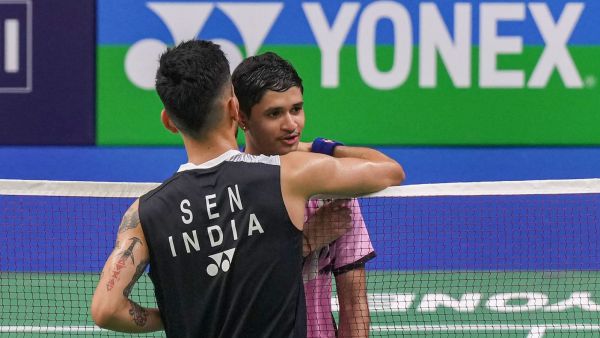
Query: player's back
(225, 258)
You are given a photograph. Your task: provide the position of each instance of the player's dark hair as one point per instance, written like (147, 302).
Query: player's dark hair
(257, 74)
(190, 78)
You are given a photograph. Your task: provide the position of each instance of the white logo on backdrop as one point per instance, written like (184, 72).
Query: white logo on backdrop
(255, 20)
(186, 20)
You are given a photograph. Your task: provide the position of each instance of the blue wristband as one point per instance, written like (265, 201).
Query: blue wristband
(324, 146)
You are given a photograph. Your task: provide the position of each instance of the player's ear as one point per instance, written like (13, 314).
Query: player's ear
(233, 111)
(243, 120)
(233, 106)
(167, 122)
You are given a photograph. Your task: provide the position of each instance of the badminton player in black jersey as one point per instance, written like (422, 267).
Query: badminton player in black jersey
(222, 236)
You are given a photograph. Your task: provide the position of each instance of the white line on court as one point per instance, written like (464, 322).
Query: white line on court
(47, 329)
(535, 330)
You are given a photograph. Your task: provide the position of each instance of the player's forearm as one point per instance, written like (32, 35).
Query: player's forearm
(362, 153)
(354, 318)
(338, 150)
(130, 317)
(354, 306)
(383, 165)
(354, 323)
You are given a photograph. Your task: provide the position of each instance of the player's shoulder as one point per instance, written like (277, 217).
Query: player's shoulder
(160, 187)
(249, 158)
(303, 158)
(293, 155)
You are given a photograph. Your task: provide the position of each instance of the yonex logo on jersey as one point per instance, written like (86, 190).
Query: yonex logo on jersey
(221, 263)
(16, 46)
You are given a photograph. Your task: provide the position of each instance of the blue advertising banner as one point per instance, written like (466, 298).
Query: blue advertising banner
(135, 20)
(47, 65)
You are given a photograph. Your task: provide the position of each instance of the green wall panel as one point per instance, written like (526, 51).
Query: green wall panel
(405, 115)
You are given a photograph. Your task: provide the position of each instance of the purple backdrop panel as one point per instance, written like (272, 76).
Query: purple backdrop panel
(47, 72)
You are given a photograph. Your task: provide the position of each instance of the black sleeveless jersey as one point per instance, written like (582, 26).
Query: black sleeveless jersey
(225, 258)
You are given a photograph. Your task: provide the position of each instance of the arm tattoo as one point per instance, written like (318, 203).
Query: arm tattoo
(128, 253)
(138, 272)
(131, 219)
(138, 314)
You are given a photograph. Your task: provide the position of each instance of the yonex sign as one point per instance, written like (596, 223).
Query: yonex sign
(435, 39)
(510, 302)
(431, 72)
(255, 20)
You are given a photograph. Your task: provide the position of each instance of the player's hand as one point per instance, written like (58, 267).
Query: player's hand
(331, 221)
(305, 146)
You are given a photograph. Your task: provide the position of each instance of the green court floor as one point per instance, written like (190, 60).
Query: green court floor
(432, 304)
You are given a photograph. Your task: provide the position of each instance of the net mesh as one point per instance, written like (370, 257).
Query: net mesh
(493, 264)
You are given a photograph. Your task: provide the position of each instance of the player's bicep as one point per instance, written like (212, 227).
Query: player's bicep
(348, 176)
(128, 260)
(313, 174)
(126, 264)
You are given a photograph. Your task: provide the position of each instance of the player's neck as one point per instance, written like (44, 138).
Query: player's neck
(212, 147)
